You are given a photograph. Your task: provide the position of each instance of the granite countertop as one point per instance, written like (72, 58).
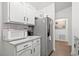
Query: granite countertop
(29, 38)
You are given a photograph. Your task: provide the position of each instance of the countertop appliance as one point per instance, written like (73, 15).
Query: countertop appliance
(30, 31)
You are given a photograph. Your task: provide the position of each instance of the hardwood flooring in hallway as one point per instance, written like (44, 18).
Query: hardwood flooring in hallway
(62, 49)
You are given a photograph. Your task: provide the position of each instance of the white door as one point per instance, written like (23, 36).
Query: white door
(16, 12)
(36, 50)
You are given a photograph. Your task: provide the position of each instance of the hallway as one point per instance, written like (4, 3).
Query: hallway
(62, 49)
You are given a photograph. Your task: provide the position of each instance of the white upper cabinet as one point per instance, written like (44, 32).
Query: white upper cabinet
(13, 12)
(30, 14)
(16, 11)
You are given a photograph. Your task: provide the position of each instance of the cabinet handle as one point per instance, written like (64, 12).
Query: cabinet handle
(25, 45)
(27, 19)
(24, 18)
(34, 49)
(31, 51)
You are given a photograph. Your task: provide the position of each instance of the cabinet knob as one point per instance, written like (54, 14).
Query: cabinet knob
(27, 19)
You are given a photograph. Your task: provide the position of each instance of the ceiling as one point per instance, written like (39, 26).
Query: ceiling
(40, 5)
(62, 5)
(58, 6)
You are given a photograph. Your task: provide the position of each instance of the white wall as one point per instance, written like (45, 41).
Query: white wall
(66, 13)
(75, 18)
(0, 29)
(75, 22)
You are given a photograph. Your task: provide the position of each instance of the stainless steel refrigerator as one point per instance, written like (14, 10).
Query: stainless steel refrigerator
(44, 28)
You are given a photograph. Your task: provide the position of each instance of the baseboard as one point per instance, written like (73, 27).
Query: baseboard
(51, 52)
(62, 40)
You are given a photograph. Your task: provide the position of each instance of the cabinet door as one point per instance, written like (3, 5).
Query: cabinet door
(16, 11)
(30, 14)
(36, 50)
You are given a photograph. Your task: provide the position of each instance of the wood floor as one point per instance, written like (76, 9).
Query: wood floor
(61, 49)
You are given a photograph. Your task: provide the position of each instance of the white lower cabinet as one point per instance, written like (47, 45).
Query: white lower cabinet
(31, 48)
(35, 51)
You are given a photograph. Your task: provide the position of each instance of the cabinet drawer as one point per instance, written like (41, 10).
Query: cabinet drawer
(24, 45)
(37, 41)
(25, 52)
